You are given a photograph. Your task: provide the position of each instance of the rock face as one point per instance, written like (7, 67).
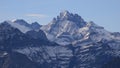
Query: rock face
(70, 28)
(34, 45)
(65, 24)
(35, 26)
(67, 42)
(16, 60)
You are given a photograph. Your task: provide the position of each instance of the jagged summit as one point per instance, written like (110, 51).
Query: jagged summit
(67, 16)
(65, 22)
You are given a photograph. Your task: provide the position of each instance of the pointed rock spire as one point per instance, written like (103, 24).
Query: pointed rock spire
(64, 13)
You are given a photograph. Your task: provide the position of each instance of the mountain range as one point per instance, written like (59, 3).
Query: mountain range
(66, 42)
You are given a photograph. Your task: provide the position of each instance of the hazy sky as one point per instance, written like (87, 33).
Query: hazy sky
(105, 13)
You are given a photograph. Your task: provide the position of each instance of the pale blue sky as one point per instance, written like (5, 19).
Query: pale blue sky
(105, 13)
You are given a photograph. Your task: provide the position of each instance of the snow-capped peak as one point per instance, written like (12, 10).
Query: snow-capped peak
(65, 22)
(68, 28)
